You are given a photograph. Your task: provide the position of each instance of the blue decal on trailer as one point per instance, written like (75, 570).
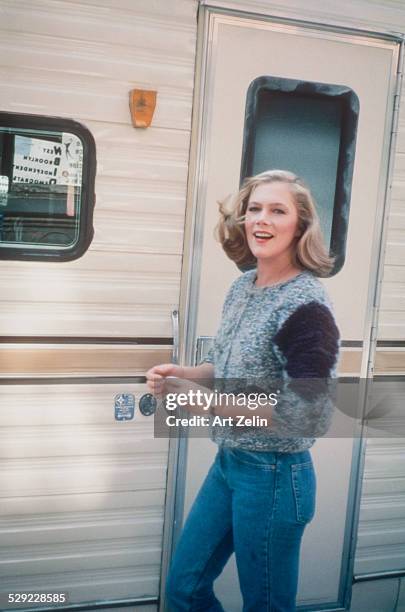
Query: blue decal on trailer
(124, 406)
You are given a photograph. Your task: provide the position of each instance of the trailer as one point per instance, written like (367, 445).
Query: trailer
(109, 265)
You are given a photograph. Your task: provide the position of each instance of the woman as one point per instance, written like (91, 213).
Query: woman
(277, 324)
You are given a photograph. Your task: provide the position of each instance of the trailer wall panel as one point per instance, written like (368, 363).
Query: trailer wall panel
(80, 60)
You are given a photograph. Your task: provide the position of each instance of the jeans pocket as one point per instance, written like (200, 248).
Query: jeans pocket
(304, 487)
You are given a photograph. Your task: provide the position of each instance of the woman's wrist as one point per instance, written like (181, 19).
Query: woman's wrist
(178, 371)
(202, 371)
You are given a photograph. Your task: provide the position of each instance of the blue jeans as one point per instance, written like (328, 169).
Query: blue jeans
(255, 504)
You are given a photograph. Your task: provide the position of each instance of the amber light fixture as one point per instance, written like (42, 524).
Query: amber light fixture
(142, 103)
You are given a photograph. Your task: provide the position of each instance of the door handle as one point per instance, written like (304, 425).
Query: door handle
(175, 327)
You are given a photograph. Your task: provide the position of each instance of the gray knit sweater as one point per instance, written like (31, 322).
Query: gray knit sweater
(278, 334)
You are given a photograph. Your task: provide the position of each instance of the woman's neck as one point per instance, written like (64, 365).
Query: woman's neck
(273, 273)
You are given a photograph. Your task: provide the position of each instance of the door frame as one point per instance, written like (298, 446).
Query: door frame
(208, 17)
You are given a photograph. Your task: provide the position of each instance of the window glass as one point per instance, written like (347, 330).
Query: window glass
(309, 129)
(44, 204)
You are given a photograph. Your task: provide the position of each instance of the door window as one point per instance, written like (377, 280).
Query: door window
(309, 129)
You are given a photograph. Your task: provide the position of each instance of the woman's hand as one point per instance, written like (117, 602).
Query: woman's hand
(155, 377)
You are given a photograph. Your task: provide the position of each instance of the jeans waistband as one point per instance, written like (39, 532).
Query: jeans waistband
(269, 457)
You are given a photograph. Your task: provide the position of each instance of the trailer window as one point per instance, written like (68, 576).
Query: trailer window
(309, 129)
(47, 168)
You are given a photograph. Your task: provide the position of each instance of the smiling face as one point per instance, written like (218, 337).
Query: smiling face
(271, 222)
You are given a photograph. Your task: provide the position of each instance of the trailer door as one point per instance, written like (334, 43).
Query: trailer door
(235, 52)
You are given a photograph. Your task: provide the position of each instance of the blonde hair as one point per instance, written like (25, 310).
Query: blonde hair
(310, 252)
